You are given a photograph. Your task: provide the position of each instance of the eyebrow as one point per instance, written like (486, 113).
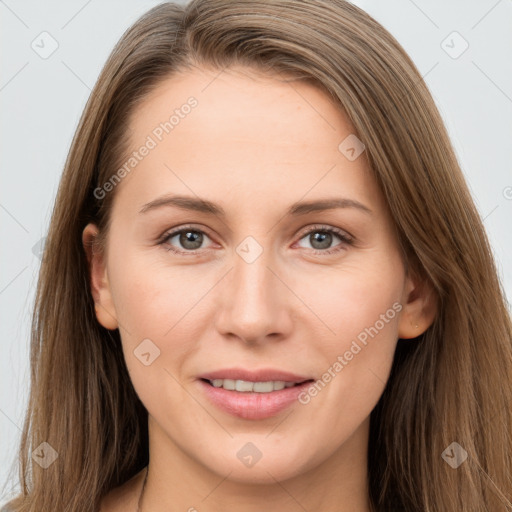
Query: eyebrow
(296, 209)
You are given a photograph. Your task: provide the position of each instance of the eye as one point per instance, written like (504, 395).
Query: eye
(321, 238)
(190, 239)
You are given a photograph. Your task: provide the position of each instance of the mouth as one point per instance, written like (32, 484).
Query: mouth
(256, 396)
(247, 386)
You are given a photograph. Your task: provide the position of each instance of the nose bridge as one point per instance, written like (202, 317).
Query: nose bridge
(252, 305)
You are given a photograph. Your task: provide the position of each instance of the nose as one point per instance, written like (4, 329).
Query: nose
(254, 302)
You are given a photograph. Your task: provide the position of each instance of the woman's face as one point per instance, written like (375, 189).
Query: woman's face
(269, 285)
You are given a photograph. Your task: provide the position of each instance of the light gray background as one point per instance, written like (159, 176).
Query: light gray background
(42, 99)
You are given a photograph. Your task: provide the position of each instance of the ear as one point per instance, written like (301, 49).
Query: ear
(100, 287)
(419, 302)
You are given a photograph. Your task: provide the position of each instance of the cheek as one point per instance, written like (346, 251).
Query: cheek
(142, 316)
(361, 353)
(354, 299)
(361, 307)
(157, 303)
(149, 296)
(150, 304)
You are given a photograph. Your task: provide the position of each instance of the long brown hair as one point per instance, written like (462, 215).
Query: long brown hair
(451, 385)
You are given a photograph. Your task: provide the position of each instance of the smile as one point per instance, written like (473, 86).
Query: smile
(252, 399)
(246, 386)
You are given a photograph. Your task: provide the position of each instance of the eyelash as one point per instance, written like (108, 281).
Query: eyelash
(344, 237)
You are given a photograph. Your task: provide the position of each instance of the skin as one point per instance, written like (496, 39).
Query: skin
(254, 145)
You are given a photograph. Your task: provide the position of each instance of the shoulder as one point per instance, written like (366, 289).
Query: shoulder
(125, 496)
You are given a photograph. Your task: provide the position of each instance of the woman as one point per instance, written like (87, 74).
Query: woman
(265, 282)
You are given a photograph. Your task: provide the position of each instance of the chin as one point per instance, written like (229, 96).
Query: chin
(249, 465)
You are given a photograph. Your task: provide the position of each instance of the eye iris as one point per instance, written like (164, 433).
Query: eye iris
(323, 237)
(191, 237)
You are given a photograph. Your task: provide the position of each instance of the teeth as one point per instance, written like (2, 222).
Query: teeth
(244, 385)
(248, 386)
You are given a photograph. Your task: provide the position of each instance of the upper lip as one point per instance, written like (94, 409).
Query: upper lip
(261, 375)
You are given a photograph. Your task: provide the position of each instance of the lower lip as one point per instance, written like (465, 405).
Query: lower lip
(251, 405)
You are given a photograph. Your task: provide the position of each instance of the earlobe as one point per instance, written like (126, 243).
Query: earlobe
(419, 308)
(98, 279)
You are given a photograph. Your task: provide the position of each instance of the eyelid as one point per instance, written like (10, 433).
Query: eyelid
(324, 227)
(345, 237)
(171, 233)
(347, 240)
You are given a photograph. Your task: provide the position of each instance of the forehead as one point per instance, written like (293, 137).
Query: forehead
(243, 98)
(239, 130)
